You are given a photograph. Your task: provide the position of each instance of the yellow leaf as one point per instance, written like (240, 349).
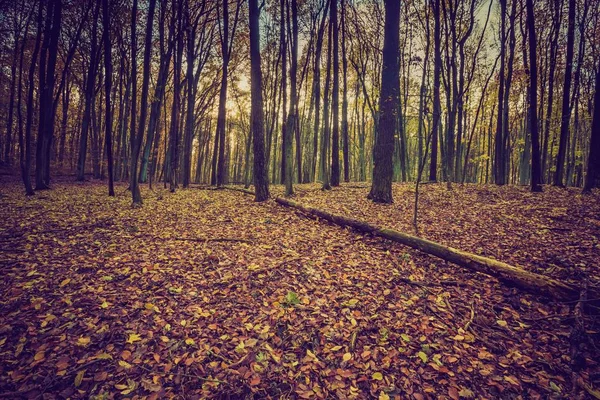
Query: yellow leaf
(133, 337)
(336, 348)
(83, 341)
(104, 356)
(190, 341)
(501, 323)
(104, 305)
(124, 364)
(377, 376)
(79, 377)
(383, 396)
(164, 339)
(40, 355)
(512, 379)
(65, 282)
(347, 356)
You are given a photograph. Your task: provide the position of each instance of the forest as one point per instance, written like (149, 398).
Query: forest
(353, 199)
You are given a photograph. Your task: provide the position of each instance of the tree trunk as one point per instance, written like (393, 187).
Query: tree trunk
(536, 172)
(566, 102)
(335, 101)
(176, 106)
(107, 89)
(345, 140)
(381, 189)
(437, 106)
(592, 178)
(261, 180)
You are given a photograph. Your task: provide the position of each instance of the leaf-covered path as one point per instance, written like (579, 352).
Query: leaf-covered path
(206, 293)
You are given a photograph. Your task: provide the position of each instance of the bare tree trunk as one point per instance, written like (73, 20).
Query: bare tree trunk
(176, 106)
(345, 141)
(335, 101)
(261, 180)
(381, 189)
(592, 178)
(107, 89)
(536, 178)
(566, 105)
(437, 106)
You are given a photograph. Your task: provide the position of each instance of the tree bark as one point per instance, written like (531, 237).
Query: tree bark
(107, 91)
(261, 180)
(381, 188)
(566, 102)
(335, 98)
(536, 172)
(592, 179)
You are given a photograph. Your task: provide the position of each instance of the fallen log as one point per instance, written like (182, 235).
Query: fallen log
(237, 189)
(506, 273)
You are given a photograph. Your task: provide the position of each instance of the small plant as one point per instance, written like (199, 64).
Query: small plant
(291, 299)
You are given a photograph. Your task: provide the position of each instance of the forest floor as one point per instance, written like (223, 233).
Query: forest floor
(205, 293)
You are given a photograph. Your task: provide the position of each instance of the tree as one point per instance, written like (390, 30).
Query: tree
(173, 167)
(381, 188)
(335, 101)
(219, 175)
(47, 70)
(437, 106)
(107, 91)
(345, 139)
(292, 114)
(566, 105)
(261, 180)
(592, 179)
(536, 172)
(89, 95)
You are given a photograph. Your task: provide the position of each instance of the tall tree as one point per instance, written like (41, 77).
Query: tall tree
(107, 92)
(566, 102)
(536, 171)
(335, 98)
(261, 180)
(592, 178)
(383, 171)
(175, 129)
(25, 143)
(47, 71)
(345, 139)
(226, 45)
(292, 114)
(437, 106)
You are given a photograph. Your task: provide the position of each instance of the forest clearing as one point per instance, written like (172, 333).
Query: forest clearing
(206, 293)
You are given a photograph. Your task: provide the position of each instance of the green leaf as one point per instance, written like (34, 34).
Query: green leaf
(423, 356)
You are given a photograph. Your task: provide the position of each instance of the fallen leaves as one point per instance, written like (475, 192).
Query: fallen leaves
(309, 310)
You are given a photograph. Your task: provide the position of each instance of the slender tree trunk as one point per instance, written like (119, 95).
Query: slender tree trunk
(536, 172)
(437, 106)
(25, 143)
(566, 102)
(107, 89)
(261, 180)
(335, 101)
(292, 114)
(47, 79)
(325, 138)
(176, 106)
(345, 140)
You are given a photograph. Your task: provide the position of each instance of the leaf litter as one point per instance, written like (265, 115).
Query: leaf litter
(101, 300)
